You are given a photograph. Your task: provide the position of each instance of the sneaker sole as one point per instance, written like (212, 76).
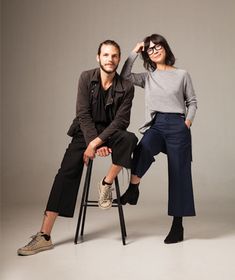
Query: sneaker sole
(29, 253)
(104, 208)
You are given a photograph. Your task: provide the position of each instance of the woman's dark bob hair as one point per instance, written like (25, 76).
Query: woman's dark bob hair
(157, 40)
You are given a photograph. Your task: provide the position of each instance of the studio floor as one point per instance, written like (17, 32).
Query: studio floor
(206, 253)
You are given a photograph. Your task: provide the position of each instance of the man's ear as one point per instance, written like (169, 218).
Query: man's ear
(98, 58)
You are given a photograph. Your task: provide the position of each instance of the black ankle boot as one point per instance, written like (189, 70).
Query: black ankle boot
(130, 196)
(176, 233)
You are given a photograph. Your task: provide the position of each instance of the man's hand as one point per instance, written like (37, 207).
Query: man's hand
(89, 153)
(103, 151)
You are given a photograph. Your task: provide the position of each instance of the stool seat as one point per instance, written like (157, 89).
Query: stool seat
(85, 202)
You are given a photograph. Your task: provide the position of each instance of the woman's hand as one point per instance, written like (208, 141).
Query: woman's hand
(188, 123)
(139, 47)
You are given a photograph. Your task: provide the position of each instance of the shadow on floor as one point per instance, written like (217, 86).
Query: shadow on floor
(206, 225)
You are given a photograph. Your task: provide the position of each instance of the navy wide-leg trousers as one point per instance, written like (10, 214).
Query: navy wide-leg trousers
(169, 134)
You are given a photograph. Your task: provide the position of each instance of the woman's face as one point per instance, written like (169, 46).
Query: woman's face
(156, 53)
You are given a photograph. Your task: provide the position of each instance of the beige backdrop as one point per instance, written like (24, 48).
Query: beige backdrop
(1, 115)
(47, 43)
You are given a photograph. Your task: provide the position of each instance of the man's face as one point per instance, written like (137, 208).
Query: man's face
(109, 58)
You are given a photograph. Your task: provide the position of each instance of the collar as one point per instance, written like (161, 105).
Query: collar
(116, 85)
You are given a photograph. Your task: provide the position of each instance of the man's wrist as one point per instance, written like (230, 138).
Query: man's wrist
(95, 143)
(92, 145)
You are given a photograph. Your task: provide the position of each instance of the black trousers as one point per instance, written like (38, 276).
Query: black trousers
(63, 195)
(169, 134)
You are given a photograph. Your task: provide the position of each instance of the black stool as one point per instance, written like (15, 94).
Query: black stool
(85, 202)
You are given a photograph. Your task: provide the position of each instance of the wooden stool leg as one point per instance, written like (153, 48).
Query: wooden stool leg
(81, 211)
(120, 211)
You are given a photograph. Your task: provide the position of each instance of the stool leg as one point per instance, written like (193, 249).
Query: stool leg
(83, 200)
(86, 195)
(121, 215)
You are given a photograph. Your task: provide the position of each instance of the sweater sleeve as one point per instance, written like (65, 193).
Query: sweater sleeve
(190, 98)
(137, 79)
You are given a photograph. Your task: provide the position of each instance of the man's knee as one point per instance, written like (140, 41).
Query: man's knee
(133, 138)
(128, 137)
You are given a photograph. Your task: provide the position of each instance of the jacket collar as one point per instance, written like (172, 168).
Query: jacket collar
(117, 85)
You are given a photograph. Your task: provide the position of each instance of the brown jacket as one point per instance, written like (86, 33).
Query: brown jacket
(120, 99)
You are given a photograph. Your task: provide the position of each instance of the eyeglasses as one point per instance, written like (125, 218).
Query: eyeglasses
(153, 49)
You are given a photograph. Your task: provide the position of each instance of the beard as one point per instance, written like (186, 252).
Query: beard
(108, 71)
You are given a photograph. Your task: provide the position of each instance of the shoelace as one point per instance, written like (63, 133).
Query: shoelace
(106, 193)
(33, 241)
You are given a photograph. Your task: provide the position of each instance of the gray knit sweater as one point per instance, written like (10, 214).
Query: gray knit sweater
(169, 91)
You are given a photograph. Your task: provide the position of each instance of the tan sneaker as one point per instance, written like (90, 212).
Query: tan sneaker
(105, 196)
(36, 245)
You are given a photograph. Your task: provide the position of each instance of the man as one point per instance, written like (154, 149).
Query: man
(104, 102)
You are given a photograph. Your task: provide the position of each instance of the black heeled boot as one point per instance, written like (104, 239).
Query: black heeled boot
(130, 196)
(176, 233)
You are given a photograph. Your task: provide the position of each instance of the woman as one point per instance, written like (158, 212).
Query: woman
(170, 109)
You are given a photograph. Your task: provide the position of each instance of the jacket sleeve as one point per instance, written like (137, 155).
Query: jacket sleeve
(137, 79)
(122, 118)
(83, 110)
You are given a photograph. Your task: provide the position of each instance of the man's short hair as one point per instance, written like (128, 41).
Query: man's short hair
(109, 42)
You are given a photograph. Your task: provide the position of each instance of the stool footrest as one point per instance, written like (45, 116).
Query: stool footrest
(94, 203)
(91, 204)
